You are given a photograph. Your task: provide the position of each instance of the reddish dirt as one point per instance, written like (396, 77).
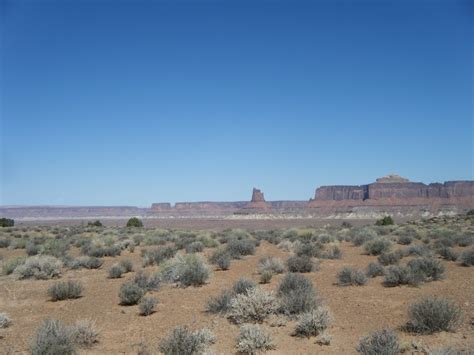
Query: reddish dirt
(357, 311)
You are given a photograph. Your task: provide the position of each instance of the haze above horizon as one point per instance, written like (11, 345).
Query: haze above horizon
(134, 102)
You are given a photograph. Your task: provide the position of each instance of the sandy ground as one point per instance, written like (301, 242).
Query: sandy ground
(356, 310)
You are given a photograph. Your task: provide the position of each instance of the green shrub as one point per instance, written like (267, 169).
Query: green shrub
(146, 281)
(186, 342)
(126, 265)
(146, 306)
(243, 285)
(432, 315)
(238, 248)
(134, 222)
(64, 290)
(91, 263)
(253, 340)
(32, 249)
(39, 267)
(189, 270)
(334, 252)
(350, 277)
(7, 222)
(385, 221)
(447, 254)
(10, 266)
(115, 272)
(381, 342)
(4, 243)
(390, 258)
(313, 323)
(401, 275)
(130, 294)
(467, 258)
(297, 263)
(195, 247)
(157, 256)
(431, 269)
(84, 333)
(311, 249)
(253, 306)
(377, 246)
(53, 338)
(221, 258)
(271, 264)
(375, 269)
(220, 303)
(296, 294)
(405, 239)
(96, 223)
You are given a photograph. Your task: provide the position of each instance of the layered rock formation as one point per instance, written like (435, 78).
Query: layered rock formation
(394, 194)
(257, 203)
(391, 194)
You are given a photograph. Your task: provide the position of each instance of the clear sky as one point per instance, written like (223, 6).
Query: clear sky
(134, 102)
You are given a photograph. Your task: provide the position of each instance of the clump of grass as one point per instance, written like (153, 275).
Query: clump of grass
(130, 294)
(401, 275)
(381, 342)
(64, 290)
(266, 277)
(313, 323)
(350, 277)
(302, 264)
(147, 305)
(296, 294)
(431, 315)
(253, 340)
(187, 342)
(404, 239)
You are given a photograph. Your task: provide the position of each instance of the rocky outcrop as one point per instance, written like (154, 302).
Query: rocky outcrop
(161, 207)
(394, 193)
(257, 203)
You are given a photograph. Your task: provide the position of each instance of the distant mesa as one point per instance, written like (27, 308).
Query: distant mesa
(391, 194)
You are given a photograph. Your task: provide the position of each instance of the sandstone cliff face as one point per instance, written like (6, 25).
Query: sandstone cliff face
(390, 190)
(394, 194)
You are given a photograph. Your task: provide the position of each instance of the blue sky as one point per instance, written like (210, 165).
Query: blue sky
(134, 102)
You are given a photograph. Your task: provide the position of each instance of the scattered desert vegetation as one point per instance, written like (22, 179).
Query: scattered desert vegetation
(237, 290)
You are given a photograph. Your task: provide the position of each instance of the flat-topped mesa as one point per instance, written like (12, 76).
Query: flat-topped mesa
(160, 207)
(395, 188)
(258, 201)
